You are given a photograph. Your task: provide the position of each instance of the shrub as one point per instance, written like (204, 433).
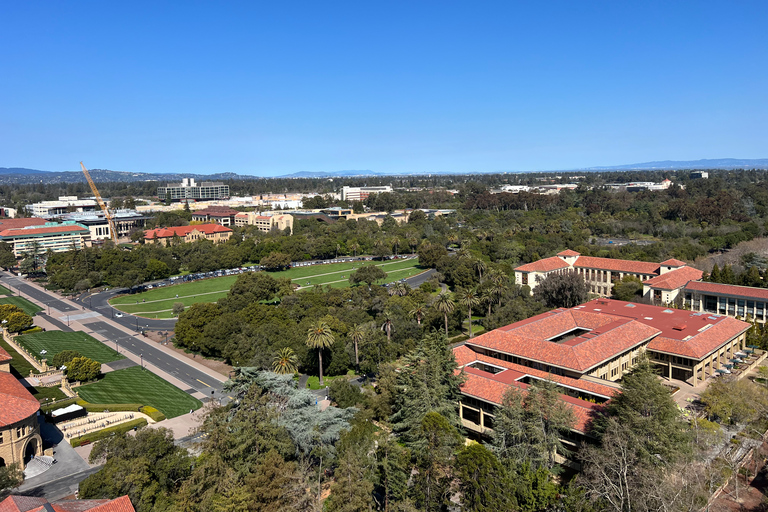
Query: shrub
(83, 369)
(18, 321)
(152, 413)
(345, 394)
(108, 432)
(64, 357)
(109, 407)
(33, 330)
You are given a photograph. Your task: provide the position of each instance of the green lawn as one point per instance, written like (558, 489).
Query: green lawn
(57, 341)
(157, 303)
(20, 368)
(28, 307)
(136, 385)
(5, 291)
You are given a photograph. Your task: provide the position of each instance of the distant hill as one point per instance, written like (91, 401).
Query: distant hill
(715, 163)
(22, 175)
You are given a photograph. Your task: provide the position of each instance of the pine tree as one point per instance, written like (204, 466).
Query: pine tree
(714, 276)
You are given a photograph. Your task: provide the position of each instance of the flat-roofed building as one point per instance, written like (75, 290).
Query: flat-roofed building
(125, 221)
(64, 205)
(727, 299)
(585, 350)
(189, 189)
(265, 222)
(362, 193)
(216, 233)
(51, 236)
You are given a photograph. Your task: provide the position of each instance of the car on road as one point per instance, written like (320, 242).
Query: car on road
(118, 315)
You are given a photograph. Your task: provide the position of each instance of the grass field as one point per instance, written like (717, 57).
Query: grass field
(28, 307)
(158, 303)
(5, 291)
(136, 385)
(57, 341)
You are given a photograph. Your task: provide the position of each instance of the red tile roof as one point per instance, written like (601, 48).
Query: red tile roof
(21, 503)
(21, 223)
(682, 332)
(465, 355)
(481, 385)
(216, 211)
(4, 356)
(608, 337)
(674, 279)
(545, 265)
(673, 263)
(33, 504)
(728, 289)
(17, 402)
(42, 231)
(183, 231)
(626, 266)
(568, 252)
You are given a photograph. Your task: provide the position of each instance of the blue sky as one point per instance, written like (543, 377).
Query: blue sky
(270, 88)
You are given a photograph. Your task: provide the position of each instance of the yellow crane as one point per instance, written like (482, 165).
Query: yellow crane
(102, 205)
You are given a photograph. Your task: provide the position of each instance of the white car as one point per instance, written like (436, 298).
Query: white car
(118, 315)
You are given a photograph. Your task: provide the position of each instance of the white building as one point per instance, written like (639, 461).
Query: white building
(362, 193)
(65, 204)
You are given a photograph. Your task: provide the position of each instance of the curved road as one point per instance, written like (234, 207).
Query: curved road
(99, 302)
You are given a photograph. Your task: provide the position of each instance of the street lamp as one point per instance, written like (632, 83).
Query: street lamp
(117, 347)
(142, 360)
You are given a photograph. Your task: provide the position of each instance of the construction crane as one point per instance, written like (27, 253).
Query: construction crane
(102, 205)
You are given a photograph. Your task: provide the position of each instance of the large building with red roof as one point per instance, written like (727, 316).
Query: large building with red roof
(34, 504)
(218, 214)
(661, 281)
(727, 299)
(213, 232)
(50, 236)
(587, 349)
(19, 430)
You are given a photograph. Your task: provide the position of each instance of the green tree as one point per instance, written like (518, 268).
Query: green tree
(352, 489)
(157, 269)
(646, 411)
(445, 305)
(357, 334)
(368, 274)
(11, 477)
(275, 261)
(178, 308)
(564, 290)
(285, 361)
(440, 439)
(319, 337)
(629, 289)
(148, 467)
(83, 369)
(64, 357)
(7, 259)
(485, 484)
(715, 276)
(18, 321)
(430, 254)
(469, 299)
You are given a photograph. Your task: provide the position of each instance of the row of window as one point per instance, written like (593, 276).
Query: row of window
(20, 432)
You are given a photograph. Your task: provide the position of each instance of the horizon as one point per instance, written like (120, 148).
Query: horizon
(267, 90)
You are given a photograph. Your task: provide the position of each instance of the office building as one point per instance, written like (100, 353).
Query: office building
(362, 193)
(189, 189)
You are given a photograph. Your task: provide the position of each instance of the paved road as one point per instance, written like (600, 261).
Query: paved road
(17, 284)
(60, 488)
(415, 281)
(193, 378)
(98, 302)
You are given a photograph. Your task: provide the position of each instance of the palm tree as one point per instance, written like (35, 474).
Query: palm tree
(480, 267)
(487, 297)
(452, 238)
(418, 313)
(387, 325)
(399, 288)
(320, 336)
(355, 247)
(357, 335)
(469, 299)
(285, 361)
(445, 305)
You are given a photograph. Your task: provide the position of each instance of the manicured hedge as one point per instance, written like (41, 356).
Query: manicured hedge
(109, 407)
(108, 432)
(152, 413)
